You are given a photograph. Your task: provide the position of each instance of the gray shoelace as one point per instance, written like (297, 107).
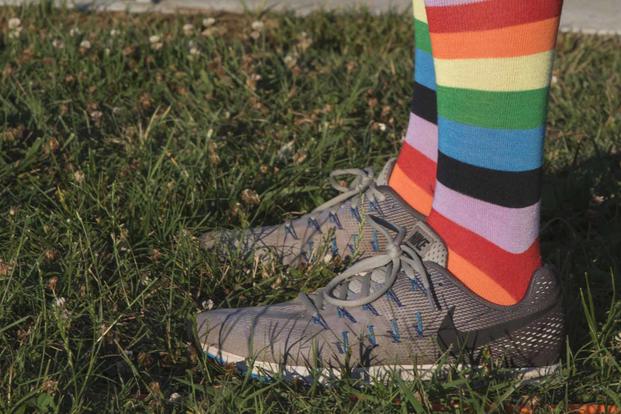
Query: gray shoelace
(364, 182)
(382, 270)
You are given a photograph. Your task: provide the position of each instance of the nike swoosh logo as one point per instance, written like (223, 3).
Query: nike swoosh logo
(450, 337)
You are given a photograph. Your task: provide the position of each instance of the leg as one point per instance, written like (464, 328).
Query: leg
(493, 61)
(414, 175)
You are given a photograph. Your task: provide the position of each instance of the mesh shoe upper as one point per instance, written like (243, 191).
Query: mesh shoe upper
(402, 327)
(337, 228)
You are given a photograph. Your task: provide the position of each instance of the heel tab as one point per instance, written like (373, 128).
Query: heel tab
(545, 286)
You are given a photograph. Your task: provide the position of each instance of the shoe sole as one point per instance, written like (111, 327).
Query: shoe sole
(265, 370)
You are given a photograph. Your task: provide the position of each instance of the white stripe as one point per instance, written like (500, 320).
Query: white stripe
(377, 373)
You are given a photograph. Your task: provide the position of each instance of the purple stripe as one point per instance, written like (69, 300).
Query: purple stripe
(441, 3)
(423, 135)
(512, 229)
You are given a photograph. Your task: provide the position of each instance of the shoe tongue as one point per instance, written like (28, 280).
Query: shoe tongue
(384, 175)
(427, 244)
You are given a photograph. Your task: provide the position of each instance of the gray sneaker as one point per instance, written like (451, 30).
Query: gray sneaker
(337, 228)
(399, 311)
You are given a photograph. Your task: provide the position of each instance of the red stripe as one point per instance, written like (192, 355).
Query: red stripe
(417, 167)
(490, 14)
(512, 271)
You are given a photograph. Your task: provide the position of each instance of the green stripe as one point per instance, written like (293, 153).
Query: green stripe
(506, 110)
(421, 36)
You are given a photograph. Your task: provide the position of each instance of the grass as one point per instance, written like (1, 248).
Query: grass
(117, 149)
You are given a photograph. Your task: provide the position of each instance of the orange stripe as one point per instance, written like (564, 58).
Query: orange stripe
(519, 40)
(415, 196)
(478, 281)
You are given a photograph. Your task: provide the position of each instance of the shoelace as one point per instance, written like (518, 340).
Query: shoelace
(382, 269)
(364, 182)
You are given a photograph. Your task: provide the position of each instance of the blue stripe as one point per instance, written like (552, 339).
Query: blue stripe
(424, 72)
(512, 150)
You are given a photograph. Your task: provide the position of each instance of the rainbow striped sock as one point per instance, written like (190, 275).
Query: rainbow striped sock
(493, 62)
(414, 174)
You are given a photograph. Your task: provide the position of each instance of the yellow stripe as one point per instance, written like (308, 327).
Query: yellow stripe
(419, 10)
(496, 74)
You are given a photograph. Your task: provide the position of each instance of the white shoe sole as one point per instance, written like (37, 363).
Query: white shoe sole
(265, 370)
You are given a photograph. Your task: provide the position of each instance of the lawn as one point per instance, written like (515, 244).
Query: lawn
(124, 137)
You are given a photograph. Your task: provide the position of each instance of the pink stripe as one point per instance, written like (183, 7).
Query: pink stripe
(512, 229)
(442, 3)
(423, 136)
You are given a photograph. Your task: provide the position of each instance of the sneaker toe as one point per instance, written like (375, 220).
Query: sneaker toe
(209, 240)
(266, 333)
(218, 240)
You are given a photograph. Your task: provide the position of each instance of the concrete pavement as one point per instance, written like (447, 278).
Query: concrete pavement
(589, 16)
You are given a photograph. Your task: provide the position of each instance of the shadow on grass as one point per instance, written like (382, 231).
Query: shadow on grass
(581, 235)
